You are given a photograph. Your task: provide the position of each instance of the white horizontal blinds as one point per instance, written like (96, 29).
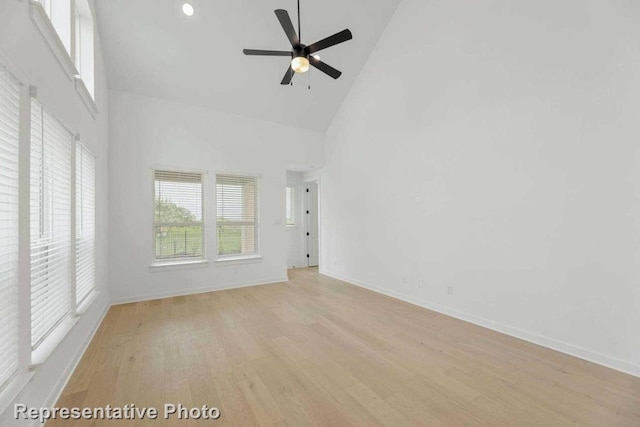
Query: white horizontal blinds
(9, 130)
(291, 206)
(85, 223)
(51, 145)
(237, 225)
(178, 227)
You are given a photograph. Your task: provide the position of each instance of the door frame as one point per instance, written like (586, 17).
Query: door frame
(316, 178)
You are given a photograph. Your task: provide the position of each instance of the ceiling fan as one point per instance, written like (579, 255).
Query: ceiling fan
(302, 56)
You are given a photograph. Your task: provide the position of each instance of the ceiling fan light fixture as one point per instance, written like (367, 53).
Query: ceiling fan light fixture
(300, 64)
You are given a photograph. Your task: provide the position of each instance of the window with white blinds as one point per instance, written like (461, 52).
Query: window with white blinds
(237, 216)
(9, 130)
(85, 223)
(291, 206)
(178, 226)
(51, 145)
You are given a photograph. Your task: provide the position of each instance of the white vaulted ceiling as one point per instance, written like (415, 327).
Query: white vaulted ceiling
(152, 49)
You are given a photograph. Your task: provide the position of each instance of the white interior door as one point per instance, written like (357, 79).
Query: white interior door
(311, 221)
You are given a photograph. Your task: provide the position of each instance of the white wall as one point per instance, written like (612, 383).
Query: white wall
(147, 132)
(492, 146)
(26, 48)
(296, 235)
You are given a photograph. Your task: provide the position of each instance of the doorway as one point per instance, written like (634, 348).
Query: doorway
(312, 229)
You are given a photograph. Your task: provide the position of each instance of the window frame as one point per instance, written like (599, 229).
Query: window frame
(292, 201)
(41, 348)
(79, 232)
(10, 285)
(178, 263)
(83, 33)
(255, 256)
(62, 43)
(30, 360)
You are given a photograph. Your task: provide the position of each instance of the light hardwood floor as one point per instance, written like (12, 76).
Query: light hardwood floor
(317, 351)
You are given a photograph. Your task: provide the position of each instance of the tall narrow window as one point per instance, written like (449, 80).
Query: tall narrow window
(51, 145)
(178, 228)
(291, 206)
(59, 12)
(85, 223)
(9, 129)
(84, 55)
(237, 218)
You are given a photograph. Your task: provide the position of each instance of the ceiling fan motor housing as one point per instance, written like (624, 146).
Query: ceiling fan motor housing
(300, 51)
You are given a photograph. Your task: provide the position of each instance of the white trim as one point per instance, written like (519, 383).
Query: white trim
(195, 291)
(312, 177)
(55, 338)
(87, 303)
(16, 385)
(43, 23)
(570, 349)
(240, 174)
(177, 169)
(235, 260)
(305, 218)
(86, 97)
(178, 265)
(61, 384)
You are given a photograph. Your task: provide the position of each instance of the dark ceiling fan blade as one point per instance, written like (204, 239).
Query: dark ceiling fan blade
(325, 68)
(287, 26)
(333, 40)
(288, 77)
(266, 52)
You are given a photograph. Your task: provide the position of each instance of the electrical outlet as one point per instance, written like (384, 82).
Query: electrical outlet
(449, 290)
(420, 283)
(404, 280)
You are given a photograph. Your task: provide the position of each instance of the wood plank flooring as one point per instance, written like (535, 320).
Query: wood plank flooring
(317, 351)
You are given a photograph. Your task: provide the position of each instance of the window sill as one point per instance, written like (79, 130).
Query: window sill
(86, 97)
(14, 388)
(234, 260)
(86, 304)
(179, 265)
(44, 350)
(43, 23)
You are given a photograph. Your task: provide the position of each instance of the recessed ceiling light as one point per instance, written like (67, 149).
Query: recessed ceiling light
(187, 9)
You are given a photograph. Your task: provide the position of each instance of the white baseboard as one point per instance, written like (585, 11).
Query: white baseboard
(183, 292)
(581, 353)
(62, 382)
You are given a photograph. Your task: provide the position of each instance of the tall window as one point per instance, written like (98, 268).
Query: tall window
(237, 217)
(85, 223)
(9, 129)
(291, 206)
(51, 145)
(59, 12)
(84, 56)
(178, 227)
